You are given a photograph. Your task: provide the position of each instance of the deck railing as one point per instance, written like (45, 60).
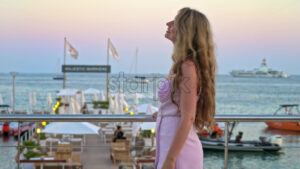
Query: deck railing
(144, 118)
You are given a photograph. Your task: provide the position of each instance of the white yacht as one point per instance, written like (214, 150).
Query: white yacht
(262, 71)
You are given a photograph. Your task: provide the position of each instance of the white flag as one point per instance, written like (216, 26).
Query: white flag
(71, 50)
(112, 51)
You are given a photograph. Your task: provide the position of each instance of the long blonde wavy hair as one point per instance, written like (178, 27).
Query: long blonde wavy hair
(194, 42)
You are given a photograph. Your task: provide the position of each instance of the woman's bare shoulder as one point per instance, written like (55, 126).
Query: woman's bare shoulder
(188, 67)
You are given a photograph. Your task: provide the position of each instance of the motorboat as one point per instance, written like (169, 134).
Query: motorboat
(263, 71)
(58, 77)
(141, 79)
(216, 141)
(263, 144)
(287, 109)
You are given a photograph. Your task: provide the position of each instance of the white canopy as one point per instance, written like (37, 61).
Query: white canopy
(67, 92)
(146, 108)
(71, 128)
(91, 91)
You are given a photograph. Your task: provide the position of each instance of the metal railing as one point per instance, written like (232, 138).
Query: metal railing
(143, 118)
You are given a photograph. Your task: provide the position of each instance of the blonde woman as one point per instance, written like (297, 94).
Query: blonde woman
(187, 95)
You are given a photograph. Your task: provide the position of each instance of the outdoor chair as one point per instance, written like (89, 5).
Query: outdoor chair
(51, 146)
(125, 141)
(121, 155)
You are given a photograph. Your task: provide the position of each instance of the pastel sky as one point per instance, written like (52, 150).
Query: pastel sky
(32, 33)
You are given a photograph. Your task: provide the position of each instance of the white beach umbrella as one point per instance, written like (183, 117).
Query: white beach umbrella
(125, 104)
(49, 100)
(95, 97)
(136, 99)
(121, 101)
(111, 105)
(116, 102)
(91, 91)
(11, 99)
(135, 128)
(75, 106)
(151, 109)
(71, 128)
(82, 99)
(30, 99)
(75, 128)
(1, 100)
(102, 97)
(33, 99)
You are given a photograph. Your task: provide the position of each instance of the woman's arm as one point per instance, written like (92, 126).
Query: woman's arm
(188, 101)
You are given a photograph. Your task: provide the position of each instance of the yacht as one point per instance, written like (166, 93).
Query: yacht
(138, 78)
(58, 76)
(262, 71)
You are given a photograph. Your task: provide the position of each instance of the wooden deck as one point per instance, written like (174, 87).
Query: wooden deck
(98, 156)
(95, 157)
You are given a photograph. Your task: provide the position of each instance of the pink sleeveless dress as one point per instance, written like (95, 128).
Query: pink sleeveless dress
(168, 118)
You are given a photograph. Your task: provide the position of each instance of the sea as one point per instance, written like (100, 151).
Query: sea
(234, 96)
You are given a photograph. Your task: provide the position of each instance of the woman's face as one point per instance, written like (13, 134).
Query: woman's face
(170, 33)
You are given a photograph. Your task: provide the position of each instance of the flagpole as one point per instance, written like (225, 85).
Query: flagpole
(64, 84)
(107, 75)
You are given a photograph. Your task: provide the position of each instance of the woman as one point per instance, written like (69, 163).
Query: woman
(187, 95)
(118, 134)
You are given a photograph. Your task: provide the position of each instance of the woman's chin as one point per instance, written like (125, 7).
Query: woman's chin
(167, 36)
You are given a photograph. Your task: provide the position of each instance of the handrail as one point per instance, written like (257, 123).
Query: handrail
(140, 118)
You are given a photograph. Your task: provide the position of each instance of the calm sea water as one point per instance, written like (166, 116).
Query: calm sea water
(234, 96)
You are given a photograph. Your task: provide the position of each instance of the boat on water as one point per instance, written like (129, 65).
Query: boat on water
(215, 141)
(58, 76)
(11, 128)
(263, 71)
(264, 144)
(141, 79)
(138, 78)
(287, 109)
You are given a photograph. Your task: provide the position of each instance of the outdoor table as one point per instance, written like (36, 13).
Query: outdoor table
(43, 160)
(139, 160)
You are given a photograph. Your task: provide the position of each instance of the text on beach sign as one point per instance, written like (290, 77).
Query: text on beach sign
(86, 68)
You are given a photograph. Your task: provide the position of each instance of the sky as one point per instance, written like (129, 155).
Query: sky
(32, 33)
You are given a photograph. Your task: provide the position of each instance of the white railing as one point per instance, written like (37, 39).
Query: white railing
(143, 118)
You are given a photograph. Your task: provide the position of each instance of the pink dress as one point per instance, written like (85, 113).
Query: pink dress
(168, 118)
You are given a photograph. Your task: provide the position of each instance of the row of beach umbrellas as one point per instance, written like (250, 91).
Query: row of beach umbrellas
(118, 104)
